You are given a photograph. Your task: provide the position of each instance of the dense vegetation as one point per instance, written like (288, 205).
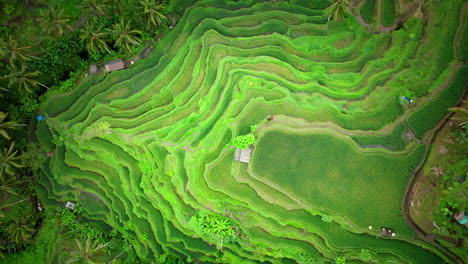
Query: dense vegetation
(338, 119)
(48, 46)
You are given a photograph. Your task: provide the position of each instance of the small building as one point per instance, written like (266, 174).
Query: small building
(387, 232)
(93, 68)
(462, 218)
(243, 155)
(70, 206)
(114, 65)
(39, 118)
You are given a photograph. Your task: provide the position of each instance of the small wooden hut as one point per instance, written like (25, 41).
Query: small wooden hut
(243, 155)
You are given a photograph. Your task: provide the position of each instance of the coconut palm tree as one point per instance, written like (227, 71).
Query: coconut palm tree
(20, 229)
(23, 79)
(95, 39)
(338, 9)
(124, 35)
(463, 114)
(4, 125)
(85, 252)
(96, 7)
(8, 183)
(152, 11)
(52, 21)
(12, 51)
(9, 160)
(2, 247)
(4, 205)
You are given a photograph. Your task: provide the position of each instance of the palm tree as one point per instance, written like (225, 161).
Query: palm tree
(8, 183)
(97, 7)
(9, 160)
(6, 125)
(24, 79)
(13, 51)
(85, 252)
(4, 206)
(95, 39)
(152, 11)
(338, 9)
(2, 247)
(463, 112)
(124, 35)
(20, 229)
(52, 21)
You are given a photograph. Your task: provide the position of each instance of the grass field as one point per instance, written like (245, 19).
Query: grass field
(333, 175)
(148, 149)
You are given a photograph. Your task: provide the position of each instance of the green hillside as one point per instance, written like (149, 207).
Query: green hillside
(148, 150)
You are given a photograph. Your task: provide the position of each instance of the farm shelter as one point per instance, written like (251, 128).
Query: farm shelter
(243, 155)
(114, 65)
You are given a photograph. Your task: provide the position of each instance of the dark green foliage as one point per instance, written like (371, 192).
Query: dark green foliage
(454, 199)
(42, 249)
(24, 109)
(460, 134)
(61, 57)
(388, 13)
(8, 9)
(367, 10)
(77, 228)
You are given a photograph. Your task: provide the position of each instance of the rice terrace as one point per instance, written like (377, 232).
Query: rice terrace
(269, 132)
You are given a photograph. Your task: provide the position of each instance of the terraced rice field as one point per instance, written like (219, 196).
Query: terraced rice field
(148, 150)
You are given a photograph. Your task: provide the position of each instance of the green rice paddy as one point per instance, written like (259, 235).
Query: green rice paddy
(146, 149)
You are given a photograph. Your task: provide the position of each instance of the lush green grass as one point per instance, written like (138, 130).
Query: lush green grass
(146, 148)
(433, 111)
(331, 174)
(388, 12)
(367, 10)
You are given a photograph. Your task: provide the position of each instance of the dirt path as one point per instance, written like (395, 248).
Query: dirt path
(410, 191)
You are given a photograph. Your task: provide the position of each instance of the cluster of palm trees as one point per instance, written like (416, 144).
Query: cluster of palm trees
(15, 57)
(103, 29)
(124, 35)
(19, 226)
(338, 10)
(96, 36)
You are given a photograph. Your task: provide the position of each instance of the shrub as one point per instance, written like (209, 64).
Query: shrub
(366, 254)
(340, 260)
(243, 141)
